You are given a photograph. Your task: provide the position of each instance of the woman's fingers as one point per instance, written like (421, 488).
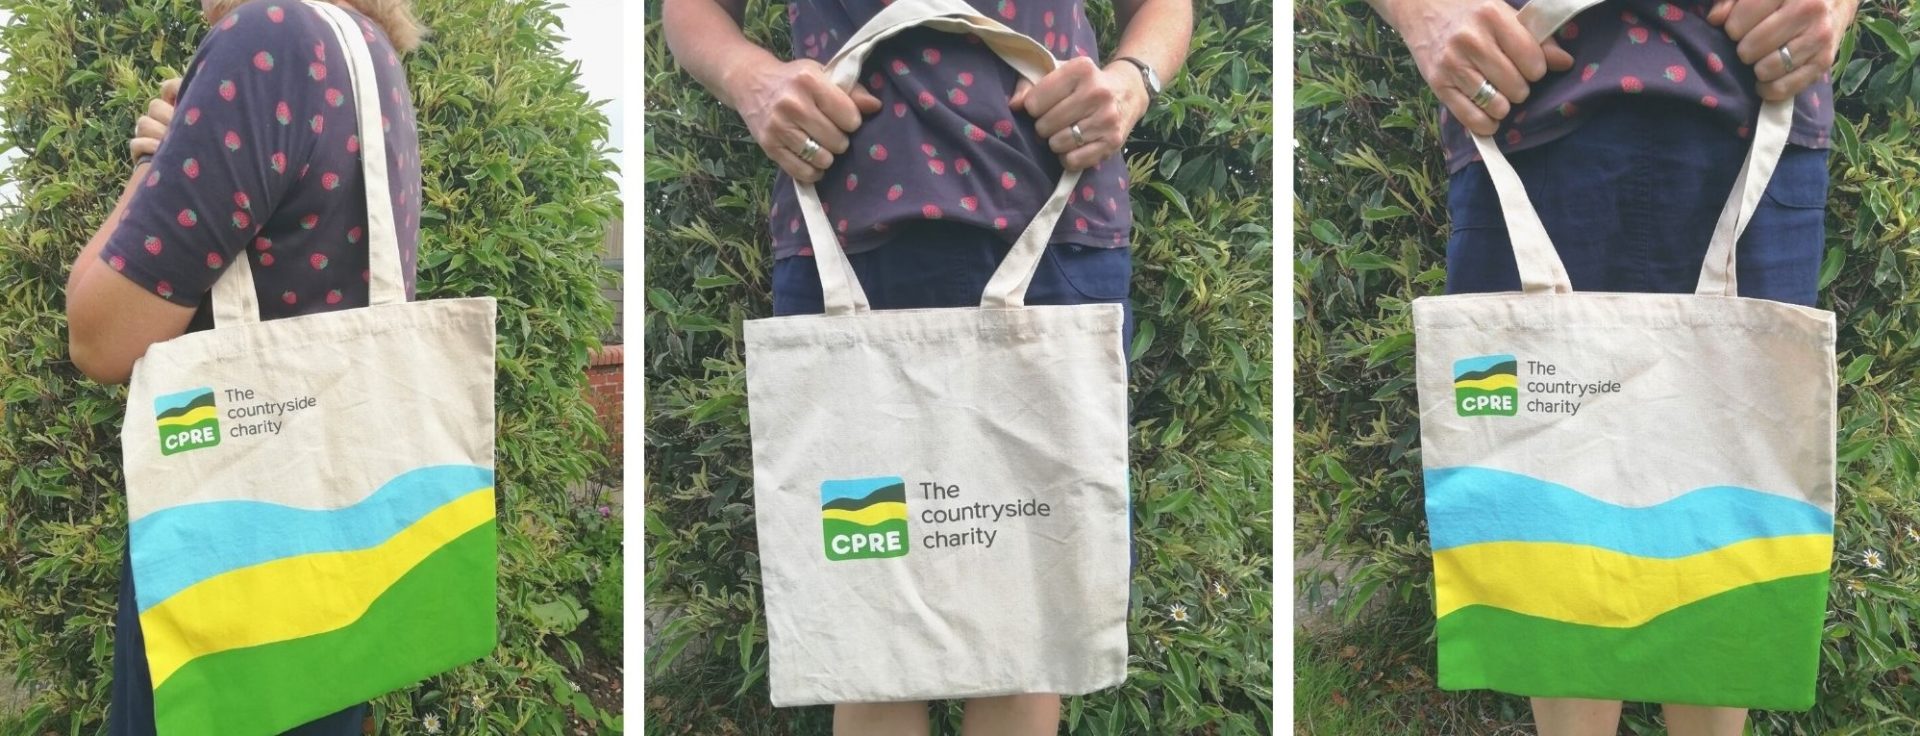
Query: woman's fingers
(1557, 58)
(160, 110)
(1480, 60)
(147, 127)
(170, 90)
(1745, 15)
(143, 146)
(1792, 84)
(1514, 45)
(800, 169)
(1481, 122)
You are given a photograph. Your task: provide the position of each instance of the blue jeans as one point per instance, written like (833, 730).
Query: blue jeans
(933, 264)
(1630, 200)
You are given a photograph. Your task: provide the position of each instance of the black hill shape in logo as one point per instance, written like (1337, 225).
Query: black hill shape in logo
(1504, 368)
(896, 492)
(202, 400)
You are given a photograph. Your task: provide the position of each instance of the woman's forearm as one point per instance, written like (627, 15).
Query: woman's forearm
(1156, 32)
(90, 253)
(705, 38)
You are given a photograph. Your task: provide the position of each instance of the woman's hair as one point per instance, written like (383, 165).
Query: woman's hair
(394, 16)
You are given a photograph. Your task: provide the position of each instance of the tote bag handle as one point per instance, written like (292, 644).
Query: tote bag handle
(1541, 271)
(234, 300)
(839, 286)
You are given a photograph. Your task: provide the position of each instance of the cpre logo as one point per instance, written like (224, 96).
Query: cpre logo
(1487, 385)
(187, 420)
(864, 518)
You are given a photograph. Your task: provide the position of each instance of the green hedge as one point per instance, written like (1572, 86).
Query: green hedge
(1201, 390)
(517, 196)
(1369, 236)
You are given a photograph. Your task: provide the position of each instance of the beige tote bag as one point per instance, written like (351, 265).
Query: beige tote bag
(941, 494)
(1630, 496)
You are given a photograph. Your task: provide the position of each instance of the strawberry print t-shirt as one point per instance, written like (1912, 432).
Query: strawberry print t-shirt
(262, 161)
(946, 144)
(1629, 50)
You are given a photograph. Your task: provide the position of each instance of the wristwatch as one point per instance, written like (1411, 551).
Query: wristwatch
(1146, 73)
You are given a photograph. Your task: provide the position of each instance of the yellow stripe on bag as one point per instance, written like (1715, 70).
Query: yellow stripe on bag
(870, 515)
(190, 418)
(296, 596)
(1580, 584)
(1489, 383)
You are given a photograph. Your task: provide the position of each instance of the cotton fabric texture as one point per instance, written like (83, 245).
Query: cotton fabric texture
(941, 504)
(1630, 496)
(311, 498)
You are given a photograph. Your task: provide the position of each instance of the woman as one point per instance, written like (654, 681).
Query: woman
(1628, 128)
(932, 165)
(257, 159)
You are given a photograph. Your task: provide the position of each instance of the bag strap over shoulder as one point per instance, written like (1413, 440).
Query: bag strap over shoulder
(1008, 287)
(1541, 270)
(234, 299)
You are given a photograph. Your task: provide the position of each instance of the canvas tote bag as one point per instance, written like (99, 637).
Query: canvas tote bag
(940, 494)
(1630, 496)
(311, 499)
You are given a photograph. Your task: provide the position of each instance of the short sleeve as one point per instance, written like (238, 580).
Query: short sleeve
(239, 135)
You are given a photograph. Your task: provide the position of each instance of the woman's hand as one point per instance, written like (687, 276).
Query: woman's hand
(151, 128)
(786, 104)
(1104, 103)
(1460, 44)
(1809, 30)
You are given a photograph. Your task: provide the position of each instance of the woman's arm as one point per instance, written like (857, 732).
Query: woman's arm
(1810, 30)
(785, 104)
(1106, 102)
(1459, 44)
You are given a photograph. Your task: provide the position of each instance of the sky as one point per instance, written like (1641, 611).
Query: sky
(593, 30)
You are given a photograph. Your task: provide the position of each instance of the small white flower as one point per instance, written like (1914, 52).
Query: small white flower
(1871, 558)
(574, 685)
(1856, 586)
(1913, 535)
(1219, 589)
(431, 722)
(1177, 612)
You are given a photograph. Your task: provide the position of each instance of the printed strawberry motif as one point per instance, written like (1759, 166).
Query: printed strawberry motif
(241, 200)
(930, 212)
(193, 115)
(329, 181)
(1744, 131)
(307, 222)
(353, 146)
(152, 245)
(1629, 17)
(1567, 110)
(353, 235)
(1080, 223)
(965, 79)
(1086, 193)
(1513, 137)
(1631, 84)
(877, 152)
(1587, 73)
(282, 113)
(1007, 9)
(1710, 101)
(962, 165)
(894, 192)
(853, 181)
(318, 261)
(187, 218)
(1047, 19)
(335, 97)
(899, 67)
(320, 51)
(227, 90)
(214, 260)
(1569, 31)
(241, 220)
(937, 166)
(317, 71)
(840, 226)
(931, 56)
(926, 100)
(263, 61)
(1669, 12)
(275, 14)
(969, 203)
(232, 18)
(334, 296)
(1676, 73)
(262, 244)
(957, 96)
(191, 168)
(875, 81)
(974, 133)
(266, 259)
(1007, 180)
(232, 141)
(999, 223)
(1047, 41)
(1112, 206)
(288, 297)
(899, 109)
(279, 162)
(1714, 64)
(1637, 35)
(118, 263)
(164, 289)
(317, 123)
(153, 178)
(928, 149)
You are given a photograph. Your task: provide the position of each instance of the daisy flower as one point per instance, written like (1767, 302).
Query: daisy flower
(1178, 612)
(1871, 558)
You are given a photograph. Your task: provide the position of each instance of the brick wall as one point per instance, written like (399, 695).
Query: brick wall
(606, 380)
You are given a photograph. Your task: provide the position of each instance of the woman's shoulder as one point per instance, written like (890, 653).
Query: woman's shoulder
(270, 25)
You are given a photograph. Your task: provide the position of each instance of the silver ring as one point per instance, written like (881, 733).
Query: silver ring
(806, 152)
(1484, 95)
(1078, 139)
(1786, 57)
